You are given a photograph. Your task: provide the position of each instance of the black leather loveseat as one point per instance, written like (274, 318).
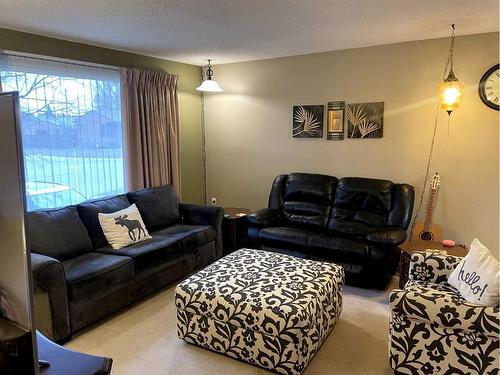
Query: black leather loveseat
(78, 278)
(354, 222)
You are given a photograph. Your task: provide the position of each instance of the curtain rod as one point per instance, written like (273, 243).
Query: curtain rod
(59, 59)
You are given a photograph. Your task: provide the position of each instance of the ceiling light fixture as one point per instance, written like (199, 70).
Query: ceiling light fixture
(451, 89)
(209, 85)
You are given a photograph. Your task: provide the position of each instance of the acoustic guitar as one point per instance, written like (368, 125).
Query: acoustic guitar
(428, 231)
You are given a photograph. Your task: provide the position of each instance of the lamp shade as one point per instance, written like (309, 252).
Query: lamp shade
(209, 85)
(450, 94)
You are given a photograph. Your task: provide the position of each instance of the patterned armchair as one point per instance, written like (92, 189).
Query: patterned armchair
(433, 330)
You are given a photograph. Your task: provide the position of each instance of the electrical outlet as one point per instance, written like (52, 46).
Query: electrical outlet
(214, 201)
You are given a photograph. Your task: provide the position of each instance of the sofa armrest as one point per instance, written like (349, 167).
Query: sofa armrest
(266, 217)
(201, 215)
(390, 236)
(432, 266)
(204, 215)
(51, 297)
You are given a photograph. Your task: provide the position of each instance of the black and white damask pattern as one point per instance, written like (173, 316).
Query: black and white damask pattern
(268, 309)
(433, 330)
(432, 267)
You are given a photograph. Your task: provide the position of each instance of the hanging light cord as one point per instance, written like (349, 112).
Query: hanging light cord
(203, 141)
(428, 168)
(450, 53)
(449, 63)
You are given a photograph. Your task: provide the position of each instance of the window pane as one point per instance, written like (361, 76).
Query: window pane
(71, 129)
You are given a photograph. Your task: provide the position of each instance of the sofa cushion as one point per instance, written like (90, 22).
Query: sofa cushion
(89, 211)
(308, 198)
(285, 238)
(361, 205)
(91, 272)
(190, 237)
(149, 253)
(334, 248)
(58, 233)
(159, 207)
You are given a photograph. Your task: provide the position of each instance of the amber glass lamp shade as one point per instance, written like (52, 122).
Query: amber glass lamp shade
(450, 93)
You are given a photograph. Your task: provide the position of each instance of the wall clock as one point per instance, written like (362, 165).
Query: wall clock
(489, 87)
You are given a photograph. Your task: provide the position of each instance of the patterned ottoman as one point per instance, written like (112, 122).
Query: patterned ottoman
(268, 309)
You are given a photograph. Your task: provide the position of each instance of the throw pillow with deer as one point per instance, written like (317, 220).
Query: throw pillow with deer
(124, 227)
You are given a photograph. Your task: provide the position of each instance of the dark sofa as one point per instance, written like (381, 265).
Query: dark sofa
(354, 222)
(78, 278)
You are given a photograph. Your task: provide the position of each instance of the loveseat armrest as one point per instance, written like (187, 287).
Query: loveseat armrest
(431, 266)
(51, 297)
(197, 214)
(389, 236)
(265, 217)
(441, 304)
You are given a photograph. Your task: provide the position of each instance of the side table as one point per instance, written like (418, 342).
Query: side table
(408, 248)
(16, 355)
(63, 361)
(234, 229)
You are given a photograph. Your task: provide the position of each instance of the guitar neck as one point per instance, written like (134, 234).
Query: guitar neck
(430, 209)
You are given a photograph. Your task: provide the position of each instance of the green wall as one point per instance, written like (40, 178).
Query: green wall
(189, 99)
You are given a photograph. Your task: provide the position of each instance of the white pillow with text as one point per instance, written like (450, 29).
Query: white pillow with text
(477, 276)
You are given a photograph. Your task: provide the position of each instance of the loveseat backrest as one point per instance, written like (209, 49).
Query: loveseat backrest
(277, 192)
(353, 205)
(403, 198)
(304, 198)
(362, 205)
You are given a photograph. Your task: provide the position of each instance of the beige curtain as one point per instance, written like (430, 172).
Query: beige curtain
(150, 110)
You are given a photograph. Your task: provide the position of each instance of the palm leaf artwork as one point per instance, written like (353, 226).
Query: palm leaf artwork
(366, 128)
(307, 122)
(365, 120)
(355, 117)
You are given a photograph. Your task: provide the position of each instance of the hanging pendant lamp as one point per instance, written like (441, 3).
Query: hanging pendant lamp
(209, 85)
(451, 89)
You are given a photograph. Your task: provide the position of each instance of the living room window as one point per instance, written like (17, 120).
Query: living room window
(71, 127)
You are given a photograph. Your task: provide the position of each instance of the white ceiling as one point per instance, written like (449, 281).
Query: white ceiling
(239, 30)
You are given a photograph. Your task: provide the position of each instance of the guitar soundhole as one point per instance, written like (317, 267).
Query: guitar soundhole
(426, 236)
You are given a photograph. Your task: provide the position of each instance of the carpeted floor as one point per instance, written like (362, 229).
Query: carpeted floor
(143, 340)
